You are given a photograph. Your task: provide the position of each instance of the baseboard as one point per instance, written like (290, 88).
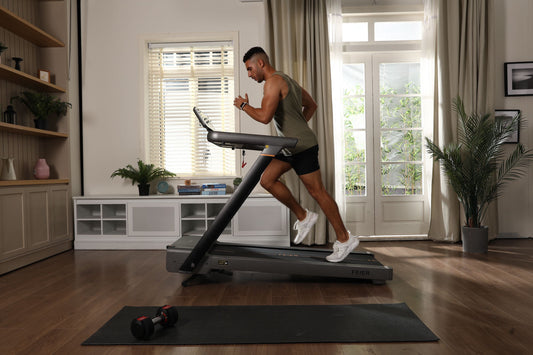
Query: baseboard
(511, 236)
(34, 256)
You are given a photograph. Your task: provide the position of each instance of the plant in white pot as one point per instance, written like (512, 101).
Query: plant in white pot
(477, 167)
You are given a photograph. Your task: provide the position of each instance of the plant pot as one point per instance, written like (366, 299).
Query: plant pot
(144, 189)
(40, 123)
(475, 240)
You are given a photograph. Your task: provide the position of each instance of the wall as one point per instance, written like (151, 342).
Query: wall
(513, 30)
(111, 89)
(112, 33)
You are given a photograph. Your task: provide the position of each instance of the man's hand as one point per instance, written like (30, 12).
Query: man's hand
(239, 100)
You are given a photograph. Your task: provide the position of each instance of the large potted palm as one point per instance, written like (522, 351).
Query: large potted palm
(477, 167)
(143, 174)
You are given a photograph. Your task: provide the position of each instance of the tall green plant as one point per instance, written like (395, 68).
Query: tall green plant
(142, 174)
(477, 166)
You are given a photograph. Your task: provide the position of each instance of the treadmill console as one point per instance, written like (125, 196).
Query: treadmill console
(242, 140)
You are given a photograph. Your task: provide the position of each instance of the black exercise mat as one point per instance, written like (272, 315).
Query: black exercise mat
(271, 325)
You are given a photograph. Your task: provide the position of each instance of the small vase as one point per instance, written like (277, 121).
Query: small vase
(8, 170)
(41, 171)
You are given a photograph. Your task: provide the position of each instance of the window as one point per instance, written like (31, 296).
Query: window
(180, 77)
(382, 126)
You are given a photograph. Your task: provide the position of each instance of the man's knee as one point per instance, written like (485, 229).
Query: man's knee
(266, 183)
(317, 191)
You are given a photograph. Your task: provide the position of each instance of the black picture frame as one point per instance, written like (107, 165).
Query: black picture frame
(518, 78)
(508, 115)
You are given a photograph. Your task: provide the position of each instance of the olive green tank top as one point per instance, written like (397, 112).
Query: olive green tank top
(290, 121)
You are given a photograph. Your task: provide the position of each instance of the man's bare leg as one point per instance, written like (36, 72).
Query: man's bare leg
(270, 182)
(313, 183)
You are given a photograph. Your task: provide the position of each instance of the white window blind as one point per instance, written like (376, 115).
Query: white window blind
(181, 76)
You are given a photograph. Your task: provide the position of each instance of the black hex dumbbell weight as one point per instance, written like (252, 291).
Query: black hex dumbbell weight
(143, 327)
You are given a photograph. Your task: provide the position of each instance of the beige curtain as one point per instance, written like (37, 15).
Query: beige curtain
(463, 45)
(297, 42)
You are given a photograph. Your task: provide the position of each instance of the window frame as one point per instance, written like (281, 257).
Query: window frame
(144, 91)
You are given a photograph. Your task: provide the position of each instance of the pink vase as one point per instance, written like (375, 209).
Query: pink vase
(41, 170)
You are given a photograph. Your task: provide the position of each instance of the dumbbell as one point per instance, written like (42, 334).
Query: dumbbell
(143, 327)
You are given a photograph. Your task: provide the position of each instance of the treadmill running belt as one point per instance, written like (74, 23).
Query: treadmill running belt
(275, 253)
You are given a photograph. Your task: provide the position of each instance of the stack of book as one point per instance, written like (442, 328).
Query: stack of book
(213, 189)
(189, 189)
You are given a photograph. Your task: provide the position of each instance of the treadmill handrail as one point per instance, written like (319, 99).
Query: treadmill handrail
(243, 140)
(249, 141)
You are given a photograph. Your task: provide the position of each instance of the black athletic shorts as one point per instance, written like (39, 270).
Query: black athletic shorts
(304, 162)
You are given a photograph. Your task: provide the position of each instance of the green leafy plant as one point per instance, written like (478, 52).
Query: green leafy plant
(476, 166)
(143, 174)
(42, 106)
(237, 181)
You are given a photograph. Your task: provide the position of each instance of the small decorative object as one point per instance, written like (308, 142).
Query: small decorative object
(41, 171)
(236, 182)
(519, 79)
(478, 167)
(42, 105)
(44, 75)
(2, 48)
(17, 62)
(162, 187)
(143, 175)
(8, 170)
(10, 116)
(505, 117)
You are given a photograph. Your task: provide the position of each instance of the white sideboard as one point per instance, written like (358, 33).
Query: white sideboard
(153, 222)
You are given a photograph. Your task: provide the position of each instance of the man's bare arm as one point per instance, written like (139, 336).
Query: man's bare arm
(269, 103)
(309, 105)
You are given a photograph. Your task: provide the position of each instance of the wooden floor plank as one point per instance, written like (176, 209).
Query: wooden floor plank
(479, 304)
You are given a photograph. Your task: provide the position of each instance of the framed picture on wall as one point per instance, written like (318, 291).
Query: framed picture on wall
(518, 78)
(506, 117)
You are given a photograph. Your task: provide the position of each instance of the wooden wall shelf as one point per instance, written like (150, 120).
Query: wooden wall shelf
(29, 81)
(34, 182)
(29, 131)
(27, 30)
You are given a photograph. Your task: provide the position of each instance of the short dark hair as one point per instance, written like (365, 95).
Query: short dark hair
(253, 51)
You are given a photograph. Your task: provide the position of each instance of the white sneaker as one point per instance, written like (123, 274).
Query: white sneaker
(342, 250)
(303, 227)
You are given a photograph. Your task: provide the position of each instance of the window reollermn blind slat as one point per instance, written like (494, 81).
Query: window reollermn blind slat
(181, 76)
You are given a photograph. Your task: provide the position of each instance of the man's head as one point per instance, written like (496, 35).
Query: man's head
(256, 60)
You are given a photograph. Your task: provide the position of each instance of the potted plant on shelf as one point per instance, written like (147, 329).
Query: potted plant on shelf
(42, 105)
(477, 168)
(2, 48)
(143, 175)
(236, 182)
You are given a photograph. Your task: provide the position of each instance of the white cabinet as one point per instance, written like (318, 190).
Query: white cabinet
(153, 222)
(34, 224)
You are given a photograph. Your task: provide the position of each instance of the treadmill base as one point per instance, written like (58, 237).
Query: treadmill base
(295, 261)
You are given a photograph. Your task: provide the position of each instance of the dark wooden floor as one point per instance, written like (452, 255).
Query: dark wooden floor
(476, 304)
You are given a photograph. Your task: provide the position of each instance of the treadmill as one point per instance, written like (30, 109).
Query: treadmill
(200, 256)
